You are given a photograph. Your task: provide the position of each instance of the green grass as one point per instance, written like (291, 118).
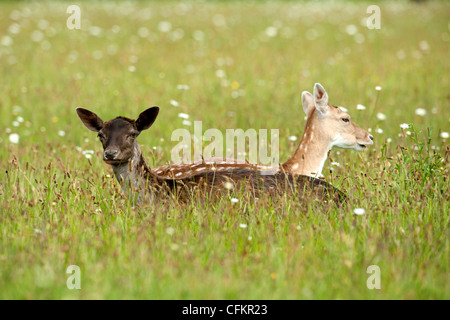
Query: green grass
(59, 208)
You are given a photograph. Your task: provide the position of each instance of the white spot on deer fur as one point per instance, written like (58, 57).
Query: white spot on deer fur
(200, 169)
(178, 174)
(312, 135)
(306, 149)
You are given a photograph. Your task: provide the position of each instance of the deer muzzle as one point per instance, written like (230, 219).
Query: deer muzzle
(110, 154)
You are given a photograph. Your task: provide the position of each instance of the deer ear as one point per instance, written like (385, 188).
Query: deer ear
(320, 98)
(90, 119)
(307, 102)
(147, 118)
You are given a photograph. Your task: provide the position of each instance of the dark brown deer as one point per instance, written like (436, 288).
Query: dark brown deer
(122, 152)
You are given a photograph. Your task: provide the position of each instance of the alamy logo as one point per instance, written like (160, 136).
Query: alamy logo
(73, 281)
(374, 21)
(374, 281)
(234, 143)
(74, 20)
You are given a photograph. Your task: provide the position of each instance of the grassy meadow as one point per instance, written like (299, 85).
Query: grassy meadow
(230, 65)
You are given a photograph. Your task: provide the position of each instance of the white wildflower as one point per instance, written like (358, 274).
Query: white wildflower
(14, 138)
(404, 126)
(360, 107)
(183, 115)
(17, 110)
(424, 46)
(182, 87)
(421, 112)
(199, 35)
(351, 29)
(271, 31)
(37, 36)
(143, 32)
(164, 26)
(220, 73)
(337, 164)
(6, 41)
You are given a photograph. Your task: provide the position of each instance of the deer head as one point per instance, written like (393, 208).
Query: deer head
(118, 136)
(334, 123)
(327, 126)
(120, 148)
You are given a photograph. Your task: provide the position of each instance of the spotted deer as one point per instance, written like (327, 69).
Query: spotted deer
(122, 151)
(327, 126)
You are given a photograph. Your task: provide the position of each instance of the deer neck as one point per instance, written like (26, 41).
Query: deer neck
(310, 156)
(134, 174)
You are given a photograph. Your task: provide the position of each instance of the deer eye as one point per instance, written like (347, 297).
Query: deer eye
(101, 136)
(133, 135)
(346, 120)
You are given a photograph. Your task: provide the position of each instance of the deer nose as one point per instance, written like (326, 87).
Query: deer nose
(110, 154)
